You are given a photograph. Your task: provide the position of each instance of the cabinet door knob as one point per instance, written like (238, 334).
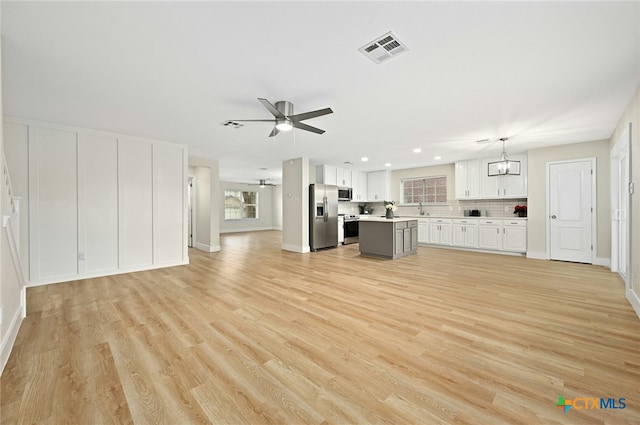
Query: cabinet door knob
(553, 216)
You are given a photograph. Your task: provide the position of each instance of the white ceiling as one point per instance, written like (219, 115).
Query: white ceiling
(541, 73)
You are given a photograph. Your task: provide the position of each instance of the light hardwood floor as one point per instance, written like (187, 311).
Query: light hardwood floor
(257, 335)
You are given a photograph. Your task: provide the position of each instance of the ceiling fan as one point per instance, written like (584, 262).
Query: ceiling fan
(285, 119)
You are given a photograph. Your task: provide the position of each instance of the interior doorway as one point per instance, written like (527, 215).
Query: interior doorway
(571, 210)
(621, 190)
(191, 210)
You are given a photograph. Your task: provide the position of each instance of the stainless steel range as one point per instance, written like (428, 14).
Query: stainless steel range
(351, 229)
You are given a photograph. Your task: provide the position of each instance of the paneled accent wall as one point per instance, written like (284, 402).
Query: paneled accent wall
(102, 203)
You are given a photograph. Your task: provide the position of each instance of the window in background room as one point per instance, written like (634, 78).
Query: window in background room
(239, 204)
(428, 190)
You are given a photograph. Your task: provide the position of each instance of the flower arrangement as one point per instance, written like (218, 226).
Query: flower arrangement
(521, 210)
(390, 206)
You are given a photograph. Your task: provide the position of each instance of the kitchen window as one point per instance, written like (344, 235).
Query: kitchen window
(240, 204)
(428, 190)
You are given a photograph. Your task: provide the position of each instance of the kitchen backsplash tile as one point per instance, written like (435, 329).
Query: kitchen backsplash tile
(489, 208)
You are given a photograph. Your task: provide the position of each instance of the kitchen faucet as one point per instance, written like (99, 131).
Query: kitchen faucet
(420, 208)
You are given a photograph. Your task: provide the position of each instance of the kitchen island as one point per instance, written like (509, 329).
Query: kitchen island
(388, 238)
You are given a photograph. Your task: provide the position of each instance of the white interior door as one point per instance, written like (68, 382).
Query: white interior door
(570, 211)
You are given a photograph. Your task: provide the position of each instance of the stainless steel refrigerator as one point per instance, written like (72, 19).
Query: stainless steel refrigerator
(323, 216)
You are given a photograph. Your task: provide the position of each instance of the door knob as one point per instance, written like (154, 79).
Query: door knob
(553, 216)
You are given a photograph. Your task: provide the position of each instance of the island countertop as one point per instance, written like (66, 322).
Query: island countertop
(385, 220)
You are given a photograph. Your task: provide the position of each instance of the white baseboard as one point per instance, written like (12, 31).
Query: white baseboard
(10, 338)
(245, 229)
(34, 283)
(206, 248)
(606, 262)
(296, 248)
(634, 300)
(537, 255)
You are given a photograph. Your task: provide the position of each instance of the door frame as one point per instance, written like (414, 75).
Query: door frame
(594, 203)
(623, 144)
(191, 210)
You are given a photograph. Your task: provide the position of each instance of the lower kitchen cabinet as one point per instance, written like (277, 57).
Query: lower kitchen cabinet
(475, 233)
(490, 234)
(440, 231)
(423, 230)
(514, 236)
(464, 233)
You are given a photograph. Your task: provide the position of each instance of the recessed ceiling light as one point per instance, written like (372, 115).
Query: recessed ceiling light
(388, 164)
(417, 150)
(364, 159)
(437, 158)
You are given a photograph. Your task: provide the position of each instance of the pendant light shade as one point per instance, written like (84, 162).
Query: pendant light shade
(505, 166)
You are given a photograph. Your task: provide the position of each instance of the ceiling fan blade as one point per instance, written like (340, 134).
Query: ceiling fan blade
(274, 132)
(271, 108)
(252, 120)
(307, 115)
(303, 126)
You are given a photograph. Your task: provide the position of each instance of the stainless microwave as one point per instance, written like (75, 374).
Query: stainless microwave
(344, 193)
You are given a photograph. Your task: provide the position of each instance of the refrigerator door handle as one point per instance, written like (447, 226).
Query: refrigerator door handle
(326, 208)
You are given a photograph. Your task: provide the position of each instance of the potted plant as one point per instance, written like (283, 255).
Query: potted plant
(521, 210)
(390, 207)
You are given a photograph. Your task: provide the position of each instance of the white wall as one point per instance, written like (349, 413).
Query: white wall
(12, 291)
(206, 171)
(632, 115)
(537, 201)
(276, 205)
(265, 209)
(295, 205)
(99, 203)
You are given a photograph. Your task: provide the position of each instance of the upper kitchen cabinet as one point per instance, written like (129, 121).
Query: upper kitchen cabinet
(467, 179)
(378, 185)
(507, 186)
(359, 185)
(343, 177)
(327, 174)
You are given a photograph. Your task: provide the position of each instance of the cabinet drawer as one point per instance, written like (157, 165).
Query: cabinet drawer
(464, 221)
(400, 225)
(440, 220)
(490, 222)
(412, 224)
(522, 223)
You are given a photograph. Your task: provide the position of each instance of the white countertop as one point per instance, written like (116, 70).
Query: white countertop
(386, 220)
(414, 217)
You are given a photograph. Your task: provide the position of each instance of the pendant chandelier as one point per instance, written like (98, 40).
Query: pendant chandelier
(505, 165)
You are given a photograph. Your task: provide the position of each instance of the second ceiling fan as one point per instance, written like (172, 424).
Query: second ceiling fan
(285, 119)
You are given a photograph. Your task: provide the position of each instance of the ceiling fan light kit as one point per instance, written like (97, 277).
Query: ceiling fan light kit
(505, 165)
(285, 119)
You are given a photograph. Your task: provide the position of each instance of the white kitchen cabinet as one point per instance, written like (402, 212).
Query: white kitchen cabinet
(378, 186)
(340, 229)
(343, 177)
(490, 234)
(514, 235)
(467, 179)
(327, 174)
(440, 231)
(507, 186)
(423, 230)
(464, 233)
(359, 185)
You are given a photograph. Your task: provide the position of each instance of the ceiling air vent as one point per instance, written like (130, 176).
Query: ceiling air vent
(383, 48)
(231, 124)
